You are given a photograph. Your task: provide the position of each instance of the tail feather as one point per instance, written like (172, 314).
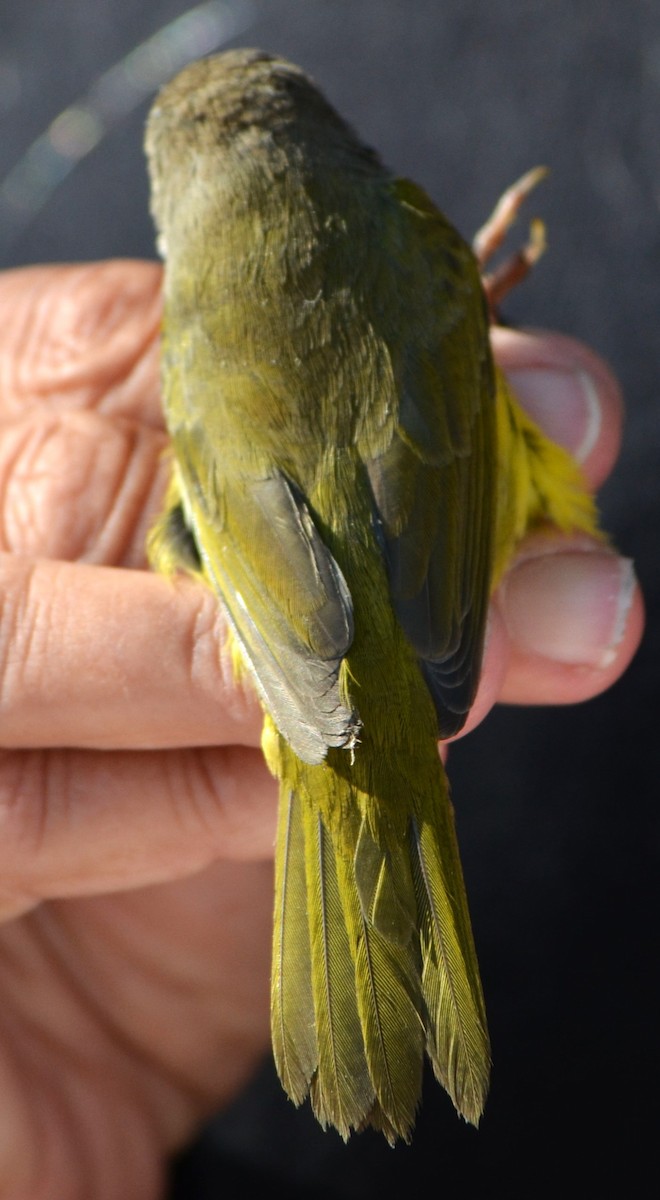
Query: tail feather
(341, 1091)
(385, 886)
(373, 963)
(293, 1022)
(457, 1037)
(387, 978)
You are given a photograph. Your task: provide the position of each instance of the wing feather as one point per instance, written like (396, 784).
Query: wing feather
(284, 594)
(433, 483)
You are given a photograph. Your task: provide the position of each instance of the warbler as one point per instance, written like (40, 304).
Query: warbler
(350, 475)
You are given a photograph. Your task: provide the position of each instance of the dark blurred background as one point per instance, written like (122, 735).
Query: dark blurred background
(557, 809)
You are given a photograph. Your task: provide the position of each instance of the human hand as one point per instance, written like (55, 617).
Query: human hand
(137, 815)
(568, 616)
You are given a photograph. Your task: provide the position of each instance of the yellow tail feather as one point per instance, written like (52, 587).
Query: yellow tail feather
(373, 958)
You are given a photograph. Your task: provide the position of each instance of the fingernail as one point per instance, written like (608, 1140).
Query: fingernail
(570, 607)
(565, 403)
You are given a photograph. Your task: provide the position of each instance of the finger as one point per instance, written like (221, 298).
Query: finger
(83, 336)
(569, 391)
(494, 669)
(98, 657)
(563, 626)
(568, 616)
(85, 823)
(574, 616)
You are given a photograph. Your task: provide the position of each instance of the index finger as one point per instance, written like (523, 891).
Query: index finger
(104, 658)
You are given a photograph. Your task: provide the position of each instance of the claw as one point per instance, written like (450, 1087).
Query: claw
(489, 238)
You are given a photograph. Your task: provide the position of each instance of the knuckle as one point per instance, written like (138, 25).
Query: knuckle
(34, 606)
(215, 664)
(25, 792)
(17, 628)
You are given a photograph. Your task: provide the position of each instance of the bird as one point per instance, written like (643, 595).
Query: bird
(350, 475)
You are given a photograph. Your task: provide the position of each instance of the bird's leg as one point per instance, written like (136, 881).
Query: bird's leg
(499, 282)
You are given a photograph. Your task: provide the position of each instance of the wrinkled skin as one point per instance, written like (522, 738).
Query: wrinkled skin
(135, 867)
